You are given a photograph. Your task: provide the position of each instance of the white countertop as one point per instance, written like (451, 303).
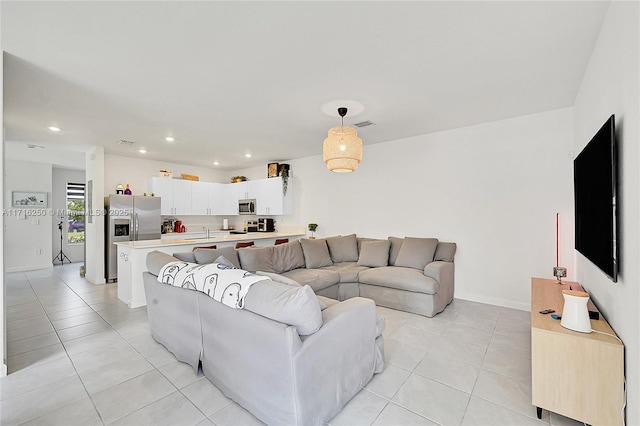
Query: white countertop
(145, 244)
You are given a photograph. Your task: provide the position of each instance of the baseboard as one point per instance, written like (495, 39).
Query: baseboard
(28, 268)
(493, 301)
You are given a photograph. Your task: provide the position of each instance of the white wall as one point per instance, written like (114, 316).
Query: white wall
(26, 233)
(611, 86)
(3, 322)
(494, 189)
(60, 178)
(94, 226)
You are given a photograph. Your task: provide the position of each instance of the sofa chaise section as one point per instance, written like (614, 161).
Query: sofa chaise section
(259, 358)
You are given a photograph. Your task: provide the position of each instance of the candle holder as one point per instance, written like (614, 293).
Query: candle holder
(559, 272)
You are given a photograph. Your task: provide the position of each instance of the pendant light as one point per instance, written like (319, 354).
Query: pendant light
(342, 149)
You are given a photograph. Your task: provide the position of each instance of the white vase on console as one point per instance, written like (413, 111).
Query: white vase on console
(575, 315)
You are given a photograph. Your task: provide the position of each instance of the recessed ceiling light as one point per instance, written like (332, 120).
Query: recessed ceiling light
(169, 139)
(248, 155)
(54, 128)
(215, 163)
(142, 151)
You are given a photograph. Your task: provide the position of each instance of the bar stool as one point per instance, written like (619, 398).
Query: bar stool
(281, 241)
(205, 247)
(243, 244)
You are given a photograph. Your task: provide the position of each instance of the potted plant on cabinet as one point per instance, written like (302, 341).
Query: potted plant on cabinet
(312, 228)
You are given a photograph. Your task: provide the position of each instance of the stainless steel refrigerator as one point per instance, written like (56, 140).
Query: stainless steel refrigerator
(129, 218)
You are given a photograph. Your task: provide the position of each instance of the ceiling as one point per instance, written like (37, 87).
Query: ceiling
(227, 79)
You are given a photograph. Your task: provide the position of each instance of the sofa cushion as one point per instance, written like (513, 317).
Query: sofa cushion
(416, 252)
(409, 279)
(316, 253)
(292, 305)
(317, 279)
(210, 255)
(445, 252)
(256, 258)
(348, 271)
(288, 256)
(374, 254)
(224, 261)
(157, 259)
(186, 256)
(363, 239)
(279, 278)
(396, 244)
(326, 302)
(343, 248)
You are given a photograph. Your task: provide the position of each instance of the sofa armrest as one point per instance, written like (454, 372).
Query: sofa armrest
(443, 273)
(338, 360)
(438, 270)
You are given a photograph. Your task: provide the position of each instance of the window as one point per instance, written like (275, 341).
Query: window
(75, 212)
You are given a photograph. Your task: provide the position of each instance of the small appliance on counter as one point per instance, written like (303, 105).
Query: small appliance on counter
(168, 226)
(266, 225)
(252, 226)
(179, 227)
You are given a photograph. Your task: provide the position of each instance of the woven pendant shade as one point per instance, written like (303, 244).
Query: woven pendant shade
(342, 149)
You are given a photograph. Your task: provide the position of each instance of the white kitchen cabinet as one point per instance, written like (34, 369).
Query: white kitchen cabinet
(175, 194)
(207, 198)
(162, 187)
(248, 189)
(185, 197)
(182, 196)
(216, 199)
(200, 198)
(230, 195)
(271, 200)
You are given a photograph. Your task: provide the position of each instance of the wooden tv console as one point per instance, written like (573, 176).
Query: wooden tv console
(578, 375)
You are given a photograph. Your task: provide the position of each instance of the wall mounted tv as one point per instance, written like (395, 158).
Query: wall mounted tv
(595, 181)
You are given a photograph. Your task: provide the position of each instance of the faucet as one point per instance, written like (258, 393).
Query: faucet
(206, 230)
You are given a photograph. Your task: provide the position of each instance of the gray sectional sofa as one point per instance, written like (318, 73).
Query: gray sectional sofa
(289, 357)
(309, 339)
(410, 274)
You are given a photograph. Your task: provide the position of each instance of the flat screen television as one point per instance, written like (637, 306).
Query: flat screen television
(595, 181)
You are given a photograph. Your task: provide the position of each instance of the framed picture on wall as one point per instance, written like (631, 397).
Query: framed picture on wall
(28, 199)
(272, 170)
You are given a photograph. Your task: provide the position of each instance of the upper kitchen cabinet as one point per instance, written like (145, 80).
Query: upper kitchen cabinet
(175, 193)
(207, 198)
(272, 200)
(185, 197)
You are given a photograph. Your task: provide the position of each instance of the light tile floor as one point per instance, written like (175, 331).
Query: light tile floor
(78, 356)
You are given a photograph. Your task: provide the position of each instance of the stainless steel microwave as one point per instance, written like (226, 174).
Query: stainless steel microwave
(247, 206)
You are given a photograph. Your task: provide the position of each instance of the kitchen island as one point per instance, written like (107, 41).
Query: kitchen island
(132, 256)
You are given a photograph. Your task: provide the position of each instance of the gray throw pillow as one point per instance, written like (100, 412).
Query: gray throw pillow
(288, 256)
(343, 248)
(316, 253)
(157, 259)
(416, 252)
(256, 258)
(288, 281)
(224, 261)
(396, 243)
(186, 256)
(210, 255)
(445, 252)
(296, 306)
(374, 254)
